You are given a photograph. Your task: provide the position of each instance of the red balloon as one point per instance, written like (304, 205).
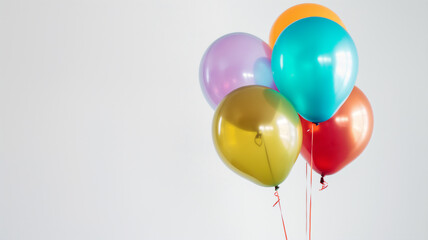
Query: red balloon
(339, 140)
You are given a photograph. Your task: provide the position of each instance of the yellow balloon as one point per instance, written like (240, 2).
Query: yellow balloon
(257, 134)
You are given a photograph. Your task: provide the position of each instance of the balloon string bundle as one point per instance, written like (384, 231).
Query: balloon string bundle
(279, 205)
(309, 189)
(308, 203)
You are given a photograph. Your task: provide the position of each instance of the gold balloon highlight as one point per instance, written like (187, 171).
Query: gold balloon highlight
(257, 134)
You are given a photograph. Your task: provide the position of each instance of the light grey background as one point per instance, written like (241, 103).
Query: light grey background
(105, 134)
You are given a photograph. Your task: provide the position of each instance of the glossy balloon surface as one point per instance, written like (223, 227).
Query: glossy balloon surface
(340, 140)
(315, 64)
(257, 134)
(298, 12)
(233, 61)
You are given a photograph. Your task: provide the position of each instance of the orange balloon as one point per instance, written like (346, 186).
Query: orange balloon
(298, 12)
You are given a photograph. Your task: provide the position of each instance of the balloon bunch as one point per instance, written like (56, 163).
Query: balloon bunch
(264, 95)
(258, 92)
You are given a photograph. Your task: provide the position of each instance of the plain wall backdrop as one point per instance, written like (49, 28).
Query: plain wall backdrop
(105, 133)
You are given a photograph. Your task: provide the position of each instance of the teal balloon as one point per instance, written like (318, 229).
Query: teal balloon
(315, 65)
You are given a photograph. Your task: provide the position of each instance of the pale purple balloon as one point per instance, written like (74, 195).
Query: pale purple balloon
(233, 61)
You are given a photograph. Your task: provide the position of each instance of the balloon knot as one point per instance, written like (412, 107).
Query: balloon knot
(323, 183)
(276, 188)
(258, 139)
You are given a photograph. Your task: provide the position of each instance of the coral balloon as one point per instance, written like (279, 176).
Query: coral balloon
(233, 61)
(298, 12)
(340, 140)
(258, 134)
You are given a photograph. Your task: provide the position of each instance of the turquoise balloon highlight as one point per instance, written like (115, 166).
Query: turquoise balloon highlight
(314, 65)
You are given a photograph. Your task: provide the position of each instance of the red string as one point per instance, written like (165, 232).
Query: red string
(282, 217)
(309, 223)
(306, 201)
(310, 201)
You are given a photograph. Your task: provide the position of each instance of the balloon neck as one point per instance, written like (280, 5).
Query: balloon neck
(322, 181)
(276, 188)
(316, 123)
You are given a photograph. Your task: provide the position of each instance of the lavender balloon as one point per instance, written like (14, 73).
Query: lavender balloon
(233, 61)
